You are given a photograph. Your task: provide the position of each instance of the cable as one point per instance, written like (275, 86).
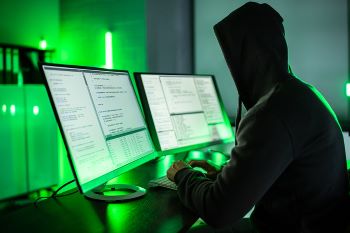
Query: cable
(55, 195)
(67, 194)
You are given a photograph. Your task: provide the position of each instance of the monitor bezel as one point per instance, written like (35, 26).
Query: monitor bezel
(150, 122)
(115, 172)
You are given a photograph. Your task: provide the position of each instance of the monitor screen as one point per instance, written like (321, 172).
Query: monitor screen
(100, 120)
(183, 111)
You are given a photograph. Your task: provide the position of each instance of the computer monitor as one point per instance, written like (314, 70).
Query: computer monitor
(183, 112)
(102, 126)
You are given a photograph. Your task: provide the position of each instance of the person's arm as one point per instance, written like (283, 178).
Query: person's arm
(263, 152)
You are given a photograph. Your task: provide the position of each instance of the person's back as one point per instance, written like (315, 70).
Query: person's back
(311, 193)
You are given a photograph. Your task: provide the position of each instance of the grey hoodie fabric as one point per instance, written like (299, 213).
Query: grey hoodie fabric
(289, 161)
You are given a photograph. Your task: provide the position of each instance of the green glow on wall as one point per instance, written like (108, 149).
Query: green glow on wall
(109, 50)
(4, 108)
(13, 109)
(83, 42)
(43, 44)
(35, 110)
(348, 89)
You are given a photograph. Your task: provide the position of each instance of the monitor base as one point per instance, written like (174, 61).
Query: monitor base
(98, 193)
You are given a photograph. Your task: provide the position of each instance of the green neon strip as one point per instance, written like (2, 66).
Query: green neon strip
(20, 79)
(109, 58)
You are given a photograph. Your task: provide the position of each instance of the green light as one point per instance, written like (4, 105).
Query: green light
(218, 158)
(20, 79)
(4, 108)
(195, 154)
(109, 58)
(13, 109)
(348, 89)
(43, 44)
(35, 110)
(118, 218)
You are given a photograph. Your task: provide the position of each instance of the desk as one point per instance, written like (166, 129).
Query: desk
(159, 211)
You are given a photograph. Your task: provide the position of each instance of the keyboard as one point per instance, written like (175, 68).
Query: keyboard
(162, 182)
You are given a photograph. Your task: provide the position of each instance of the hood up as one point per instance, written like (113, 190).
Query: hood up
(252, 41)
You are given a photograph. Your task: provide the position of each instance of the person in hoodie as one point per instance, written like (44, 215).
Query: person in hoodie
(289, 159)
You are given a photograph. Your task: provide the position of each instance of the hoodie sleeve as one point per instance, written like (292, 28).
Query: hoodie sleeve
(263, 152)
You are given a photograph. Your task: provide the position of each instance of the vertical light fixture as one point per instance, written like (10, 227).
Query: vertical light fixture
(348, 89)
(20, 78)
(108, 46)
(43, 44)
(35, 110)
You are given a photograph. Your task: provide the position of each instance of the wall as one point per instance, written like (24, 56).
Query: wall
(83, 27)
(317, 37)
(169, 36)
(25, 22)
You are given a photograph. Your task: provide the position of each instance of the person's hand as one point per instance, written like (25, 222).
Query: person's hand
(177, 166)
(212, 171)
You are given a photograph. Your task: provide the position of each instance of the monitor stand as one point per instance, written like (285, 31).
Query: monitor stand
(133, 192)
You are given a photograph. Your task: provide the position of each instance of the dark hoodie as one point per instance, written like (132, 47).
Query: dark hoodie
(289, 161)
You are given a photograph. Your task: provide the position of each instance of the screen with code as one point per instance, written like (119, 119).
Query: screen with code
(101, 121)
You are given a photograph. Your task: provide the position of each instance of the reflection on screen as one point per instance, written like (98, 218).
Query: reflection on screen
(101, 120)
(185, 110)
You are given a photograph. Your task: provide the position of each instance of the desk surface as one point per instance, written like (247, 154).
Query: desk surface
(158, 211)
